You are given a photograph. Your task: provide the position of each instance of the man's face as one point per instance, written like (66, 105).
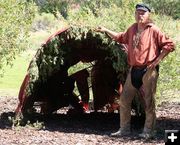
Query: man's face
(142, 16)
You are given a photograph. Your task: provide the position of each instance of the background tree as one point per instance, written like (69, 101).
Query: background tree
(15, 21)
(166, 7)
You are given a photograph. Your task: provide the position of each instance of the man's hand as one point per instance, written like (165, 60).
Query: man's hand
(110, 33)
(100, 29)
(154, 64)
(163, 54)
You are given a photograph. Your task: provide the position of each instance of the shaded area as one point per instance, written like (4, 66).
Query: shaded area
(95, 122)
(99, 123)
(86, 128)
(47, 80)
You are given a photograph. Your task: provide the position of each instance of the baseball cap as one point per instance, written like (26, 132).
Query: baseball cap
(143, 7)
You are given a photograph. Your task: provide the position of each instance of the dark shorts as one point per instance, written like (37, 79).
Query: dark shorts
(137, 75)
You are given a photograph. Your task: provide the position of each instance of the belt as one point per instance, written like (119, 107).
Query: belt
(139, 67)
(144, 66)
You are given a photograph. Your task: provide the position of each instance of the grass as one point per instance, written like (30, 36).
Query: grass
(13, 76)
(169, 80)
(10, 83)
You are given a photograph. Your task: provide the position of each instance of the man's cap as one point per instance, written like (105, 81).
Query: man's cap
(143, 7)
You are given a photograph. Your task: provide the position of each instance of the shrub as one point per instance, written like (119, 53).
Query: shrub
(166, 7)
(43, 21)
(16, 17)
(117, 16)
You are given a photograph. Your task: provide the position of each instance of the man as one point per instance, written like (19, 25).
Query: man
(146, 46)
(81, 78)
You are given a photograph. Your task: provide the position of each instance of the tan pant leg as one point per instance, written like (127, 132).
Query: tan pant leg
(126, 98)
(149, 87)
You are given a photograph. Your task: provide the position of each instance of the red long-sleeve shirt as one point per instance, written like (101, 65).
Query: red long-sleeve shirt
(148, 47)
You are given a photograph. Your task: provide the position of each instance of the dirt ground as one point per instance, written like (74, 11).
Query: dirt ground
(87, 129)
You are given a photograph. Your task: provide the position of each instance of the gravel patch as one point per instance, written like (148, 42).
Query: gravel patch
(86, 129)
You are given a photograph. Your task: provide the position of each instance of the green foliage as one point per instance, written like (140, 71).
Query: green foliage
(68, 48)
(63, 6)
(43, 21)
(166, 7)
(114, 15)
(169, 81)
(54, 6)
(170, 70)
(15, 20)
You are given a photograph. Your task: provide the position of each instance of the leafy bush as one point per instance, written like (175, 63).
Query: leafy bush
(16, 17)
(117, 16)
(70, 47)
(166, 7)
(53, 6)
(43, 21)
